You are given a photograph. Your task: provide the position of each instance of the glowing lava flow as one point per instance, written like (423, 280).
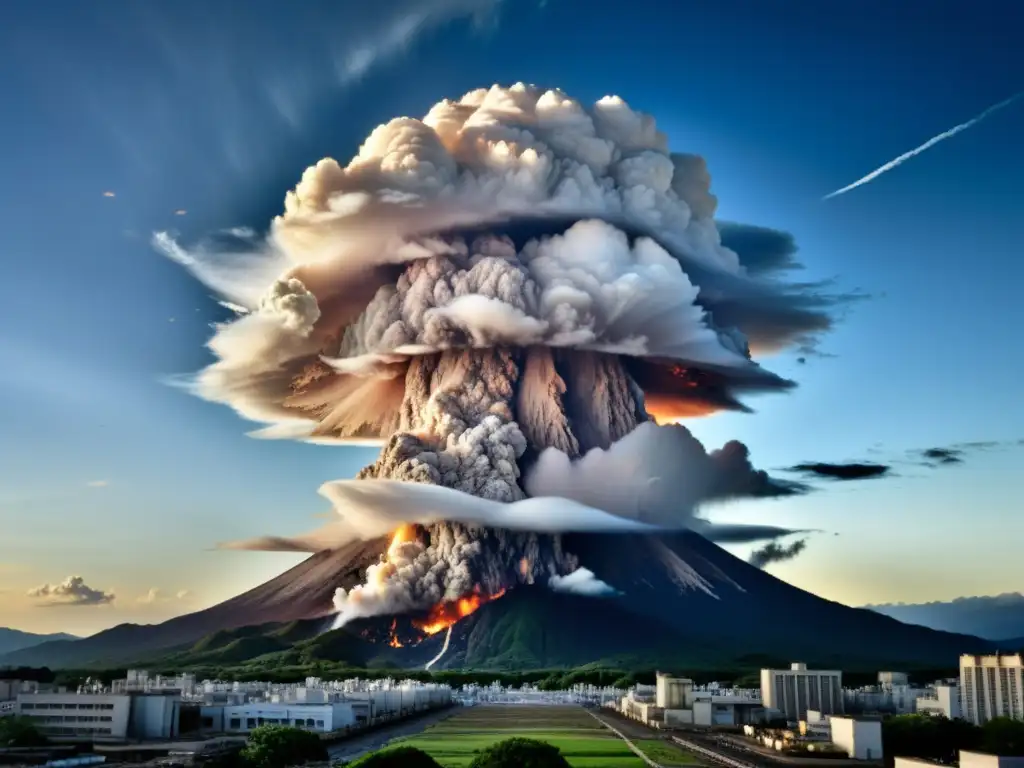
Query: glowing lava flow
(393, 640)
(443, 615)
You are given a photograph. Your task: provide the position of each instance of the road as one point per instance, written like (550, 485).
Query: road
(357, 746)
(706, 739)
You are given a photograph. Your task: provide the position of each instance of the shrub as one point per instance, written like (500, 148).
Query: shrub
(279, 746)
(520, 753)
(399, 757)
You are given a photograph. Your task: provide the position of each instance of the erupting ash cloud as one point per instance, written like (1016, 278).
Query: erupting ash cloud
(519, 297)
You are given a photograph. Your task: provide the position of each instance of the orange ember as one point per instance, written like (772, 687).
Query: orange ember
(443, 615)
(524, 567)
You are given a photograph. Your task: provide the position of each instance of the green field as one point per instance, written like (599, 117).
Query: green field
(666, 753)
(583, 741)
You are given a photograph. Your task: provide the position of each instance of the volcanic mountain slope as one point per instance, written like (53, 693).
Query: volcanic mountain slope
(303, 592)
(682, 597)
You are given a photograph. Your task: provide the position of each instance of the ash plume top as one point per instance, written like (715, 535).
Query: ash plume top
(518, 297)
(509, 217)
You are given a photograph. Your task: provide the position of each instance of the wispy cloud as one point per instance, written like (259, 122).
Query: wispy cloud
(156, 595)
(73, 591)
(98, 483)
(927, 145)
(399, 34)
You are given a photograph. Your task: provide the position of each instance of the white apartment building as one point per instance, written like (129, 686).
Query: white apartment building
(990, 687)
(795, 690)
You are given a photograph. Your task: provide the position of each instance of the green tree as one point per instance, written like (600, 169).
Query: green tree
(399, 757)
(520, 753)
(19, 732)
(1003, 736)
(278, 746)
(932, 738)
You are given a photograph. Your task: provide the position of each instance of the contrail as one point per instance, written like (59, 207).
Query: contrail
(928, 144)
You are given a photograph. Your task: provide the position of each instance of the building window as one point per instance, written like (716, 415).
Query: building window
(236, 724)
(250, 723)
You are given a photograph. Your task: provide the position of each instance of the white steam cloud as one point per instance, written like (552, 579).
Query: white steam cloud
(582, 581)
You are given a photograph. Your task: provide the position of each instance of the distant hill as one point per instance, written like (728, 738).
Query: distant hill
(14, 639)
(683, 601)
(994, 618)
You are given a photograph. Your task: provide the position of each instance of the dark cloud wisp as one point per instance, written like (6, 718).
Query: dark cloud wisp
(845, 471)
(773, 552)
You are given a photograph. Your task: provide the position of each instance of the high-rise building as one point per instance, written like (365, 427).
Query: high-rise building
(795, 690)
(990, 687)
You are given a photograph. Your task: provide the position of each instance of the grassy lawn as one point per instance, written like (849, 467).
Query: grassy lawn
(581, 739)
(666, 753)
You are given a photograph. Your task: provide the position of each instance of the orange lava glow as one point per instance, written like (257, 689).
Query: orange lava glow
(665, 409)
(402, 535)
(393, 640)
(443, 615)
(524, 567)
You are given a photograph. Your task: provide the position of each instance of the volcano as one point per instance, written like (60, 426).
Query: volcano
(520, 297)
(681, 599)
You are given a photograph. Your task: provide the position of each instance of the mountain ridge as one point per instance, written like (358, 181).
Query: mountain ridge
(676, 589)
(15, 639)
(995, 617)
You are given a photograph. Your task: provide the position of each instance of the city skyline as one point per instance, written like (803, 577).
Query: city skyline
(195, 122)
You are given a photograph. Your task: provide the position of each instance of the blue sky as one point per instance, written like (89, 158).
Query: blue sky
(215, 110)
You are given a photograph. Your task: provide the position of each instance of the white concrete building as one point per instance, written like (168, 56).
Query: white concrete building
(795, 690)
(982, 760)
(72, 715)
(672, 692)
(890, 679)
(940, 701)
(315, 717)
(675, 701)
(102, 716)
(991, 686)
(967, 760)
(861, 739)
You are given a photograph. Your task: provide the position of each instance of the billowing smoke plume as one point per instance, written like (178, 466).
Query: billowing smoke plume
(511, 294)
